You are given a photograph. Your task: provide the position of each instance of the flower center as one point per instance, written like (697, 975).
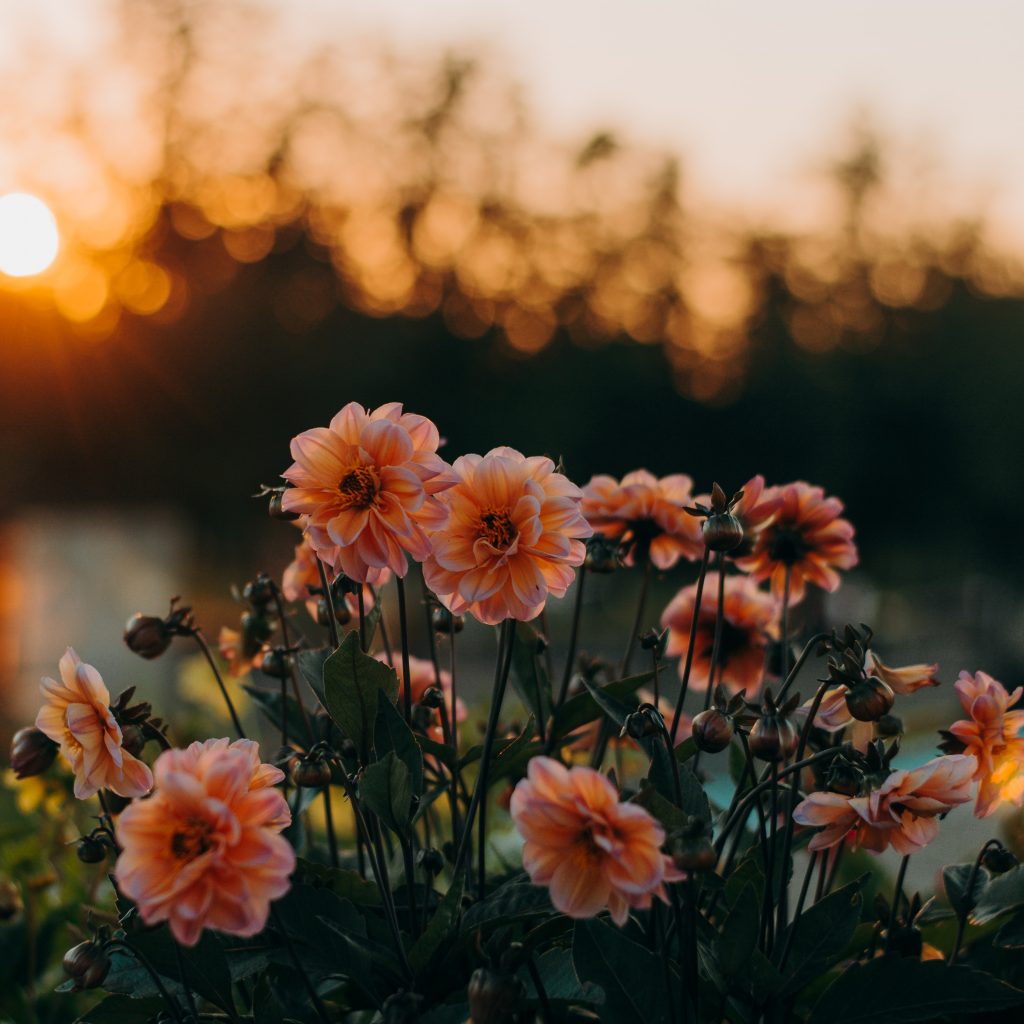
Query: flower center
(193, 839)
(496, 527)
(787, 545)
(358, 487)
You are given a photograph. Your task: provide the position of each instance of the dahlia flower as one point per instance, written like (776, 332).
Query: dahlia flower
(805, 536)
(205, 850)
(513, 537)
(590, 850)
(992, 733)
(901, 813)
(644, 513)
(76, 715)
(302, 573)
(367, 486)
(749, 620)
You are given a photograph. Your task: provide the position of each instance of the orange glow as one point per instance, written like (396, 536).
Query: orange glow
(28, 235)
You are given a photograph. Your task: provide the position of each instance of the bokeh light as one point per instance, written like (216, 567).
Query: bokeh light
(29, 239)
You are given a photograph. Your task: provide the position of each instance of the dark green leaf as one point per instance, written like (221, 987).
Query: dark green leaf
(206, 964)
(561, 983)
(955, 878)
(617, 710)
(342, 882)
(351, 683)
(629, 974)
(386, 789)
(739, 933)
(266, 1009)
(513, 900)
(390, 733)
(123, 1010)
(441, 925)
(311, 668)
(529, 676)
(1004, 892)
(269, 702)
(1011, 935)
(583, 708)
(822, 934)
(513, 757)
(902, 990)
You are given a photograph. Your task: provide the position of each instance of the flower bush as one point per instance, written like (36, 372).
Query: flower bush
(623, 842)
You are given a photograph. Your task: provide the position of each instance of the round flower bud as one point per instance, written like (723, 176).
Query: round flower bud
(91, 850)
(87, 965)
(869, 699)
(843, 777)
(277, 510)
(432, 698)
(999, 860)
(722, 531)
(32, 752)
(444, 622)
(693, 854)
(10, 901)
(259, 592)
(890, 725)
(342, 615)
(276, 663)
(430, 860)
(256, 631)
(641, 724)
(147, 636)
(310, 772)
(602, 555)
(773, 737)
(133, 739)
(494, 998)
(712, 731)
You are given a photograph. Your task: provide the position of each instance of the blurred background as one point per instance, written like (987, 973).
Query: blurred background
(717, 239)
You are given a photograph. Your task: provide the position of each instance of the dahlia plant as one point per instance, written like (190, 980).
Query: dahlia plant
(614, 841)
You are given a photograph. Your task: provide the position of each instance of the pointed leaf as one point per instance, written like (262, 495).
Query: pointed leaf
(386, 788)
(529, 676)
(440, 927)
(390, 733)
(1005, 892)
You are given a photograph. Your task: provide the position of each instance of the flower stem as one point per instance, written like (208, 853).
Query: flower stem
(785, 621)
(574, 632)
(808, 874)
(294, 673)
(688, 664)
(479, 798)
(795, 671)
(968, 900)
(897, 899)
(205, 648)
(332, 839)
(318, 1004)
(172, 1003)
(332, 622)
(403, 627)
(189, 997)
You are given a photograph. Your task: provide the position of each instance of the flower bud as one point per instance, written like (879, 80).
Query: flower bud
(695, 854)
(342, 615)
(423, 718)
(91, 850)
(642, 723)
(277, 509)
(890, 725)
(711, 730)
(147, 636)
(444, 622)
(999, 860)
(602, 555)
(259, 592)
(869, 699)
(842, 776)
(432, 698)
(256, 631)
(722, 531)
(87, 965)
(430, 860)
(310, 772)
(277, 663)
(401, 1008)
(773, 737)
(133, 739)
(494, 998)
(10, 901)
(32, 752)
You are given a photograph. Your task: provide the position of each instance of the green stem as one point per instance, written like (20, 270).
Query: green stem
(332, 622)
(204, 647)
(688, 664)
(897, 899)
(318, 1004)
(403, 627)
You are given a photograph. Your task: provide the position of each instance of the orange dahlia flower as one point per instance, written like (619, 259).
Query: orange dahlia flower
(644, 513)
(302, 574)
(805, 535)
(421, 672)
(590, 850)
(512, 537)
(901, 813)
(366, 485)
(76, 715)
(205, 850)
(992, 734)
(749, 620)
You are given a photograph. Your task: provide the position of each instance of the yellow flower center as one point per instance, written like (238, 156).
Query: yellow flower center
(496, 527)
(192, 840)
(358, 487)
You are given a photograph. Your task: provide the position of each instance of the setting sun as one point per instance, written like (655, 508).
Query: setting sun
(28, 235)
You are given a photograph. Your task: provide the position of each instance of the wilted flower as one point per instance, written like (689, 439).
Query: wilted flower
(367, 486)
(992, 734)
(512, 538)
(749, 619)
(76, 715)
(901, 812)
(645, 515)
(806, 536)
(205, 851)
(590, 850)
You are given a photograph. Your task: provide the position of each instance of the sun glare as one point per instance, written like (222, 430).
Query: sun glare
(28, 235)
